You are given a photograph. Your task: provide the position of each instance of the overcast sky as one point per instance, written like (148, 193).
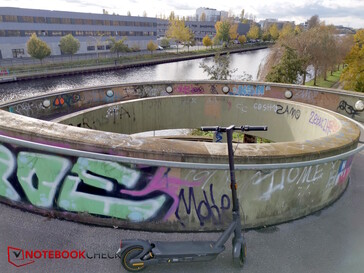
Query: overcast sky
(338, 12)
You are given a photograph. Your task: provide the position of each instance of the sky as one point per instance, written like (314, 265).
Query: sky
(349, 13)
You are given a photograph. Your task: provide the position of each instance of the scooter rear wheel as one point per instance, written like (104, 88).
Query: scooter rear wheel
(131, 253)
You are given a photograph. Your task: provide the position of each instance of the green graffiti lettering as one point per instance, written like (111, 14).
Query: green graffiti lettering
(40, 175)
(7, 167)
(72, 200)
(86, 167)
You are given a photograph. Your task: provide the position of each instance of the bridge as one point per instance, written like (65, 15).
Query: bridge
(72, 154)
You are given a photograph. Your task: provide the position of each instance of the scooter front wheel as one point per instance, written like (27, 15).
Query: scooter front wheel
(240, 261)
(131, 253)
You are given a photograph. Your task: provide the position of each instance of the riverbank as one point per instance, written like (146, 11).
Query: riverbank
(98, 65)
(332, 81)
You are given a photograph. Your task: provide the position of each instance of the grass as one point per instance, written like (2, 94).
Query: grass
(237, 137)
(330, 81)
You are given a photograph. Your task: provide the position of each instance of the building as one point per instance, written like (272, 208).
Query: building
(92, 30)
(199, 29)
(211, 15)
(267, 23)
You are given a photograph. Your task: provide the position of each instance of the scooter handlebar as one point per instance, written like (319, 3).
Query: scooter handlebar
(244, 128)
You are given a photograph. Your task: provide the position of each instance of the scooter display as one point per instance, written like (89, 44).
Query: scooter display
(137, 254)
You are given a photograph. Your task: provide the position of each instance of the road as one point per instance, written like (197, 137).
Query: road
(331, 240)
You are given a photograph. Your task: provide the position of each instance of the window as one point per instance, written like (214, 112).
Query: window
(115, 23)
(66, 20)
(55, 33)
(98, 22)
(39, 20)
(29, 32)
(2, 33)
(90, 48)
(87, 21)
(77, 21)
(17, 52)
(108, 47)
(79, 33)
(26, 19)
(100, 47)
(107, 23)
(10, 18)
(13, 33)
(51, 20)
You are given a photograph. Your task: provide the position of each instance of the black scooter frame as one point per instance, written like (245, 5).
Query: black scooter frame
(137, 254)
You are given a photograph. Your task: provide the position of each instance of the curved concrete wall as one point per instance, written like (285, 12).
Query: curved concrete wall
(159, 196)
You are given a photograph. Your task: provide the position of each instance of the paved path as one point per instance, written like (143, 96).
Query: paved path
(330, 241)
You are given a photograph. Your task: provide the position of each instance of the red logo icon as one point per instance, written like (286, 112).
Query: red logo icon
(16, 257)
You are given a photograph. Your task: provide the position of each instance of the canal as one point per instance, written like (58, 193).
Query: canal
(245, 63)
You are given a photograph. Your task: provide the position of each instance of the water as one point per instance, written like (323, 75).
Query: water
(246, 62)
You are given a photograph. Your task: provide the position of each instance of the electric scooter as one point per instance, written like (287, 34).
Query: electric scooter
(137, 254)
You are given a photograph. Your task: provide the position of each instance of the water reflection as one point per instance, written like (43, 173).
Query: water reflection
(185, 70)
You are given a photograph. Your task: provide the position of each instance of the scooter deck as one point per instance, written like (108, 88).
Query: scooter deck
(195, 248)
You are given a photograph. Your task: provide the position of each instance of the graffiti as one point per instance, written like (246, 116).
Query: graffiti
(28, 109)
(93, 186)
(265, 107)
(66, 99)
(205, 210)
(276, 181)
(339, 175)
(306, 95)
(218, 137)
(213, 89)
(189, 89)
(4, 71)
(289, 110)
(350, 110)
(247, 90)
(242, 108)
(328, 126)
(115, 112)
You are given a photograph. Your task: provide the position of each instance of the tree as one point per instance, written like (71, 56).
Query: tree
(233, 31)
(206, 41)
(37, 48)
(266, 36)
(165, 43)
(286, 30)
(69, 44)
(190, 39)
(118, 46)
(288, 69)
(313, 22)
(274, 32)
(220, 69)
(144, 14)
(178, 31)
(253, 32)
(171, 16)
(353, 74)
(223, 30)
(242, 39)
(242, 14)
(128, 13)
(203, 17)
(151, 46)
(297, 30)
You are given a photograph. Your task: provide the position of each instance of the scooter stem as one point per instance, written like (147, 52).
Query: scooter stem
(233, 185)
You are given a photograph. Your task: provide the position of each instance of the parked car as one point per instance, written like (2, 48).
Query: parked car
(160, 48)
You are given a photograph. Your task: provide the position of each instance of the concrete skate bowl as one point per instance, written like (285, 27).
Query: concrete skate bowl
(85, 165)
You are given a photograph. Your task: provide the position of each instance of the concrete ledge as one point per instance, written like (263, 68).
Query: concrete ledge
(151, 197)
